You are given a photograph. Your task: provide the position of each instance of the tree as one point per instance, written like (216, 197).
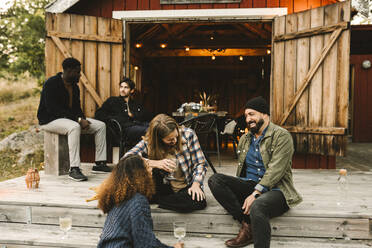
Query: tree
(22, 39)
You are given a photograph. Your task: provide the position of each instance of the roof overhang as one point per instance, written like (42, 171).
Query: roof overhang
(200, 14)
(60, 6)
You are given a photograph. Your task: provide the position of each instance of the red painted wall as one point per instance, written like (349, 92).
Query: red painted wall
(105, 8)
(362, 111)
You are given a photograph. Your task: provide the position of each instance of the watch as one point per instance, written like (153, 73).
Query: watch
(257, 195)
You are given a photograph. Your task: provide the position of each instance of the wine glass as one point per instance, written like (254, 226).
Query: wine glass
(65, 224)
(170, 175)
(179, 230)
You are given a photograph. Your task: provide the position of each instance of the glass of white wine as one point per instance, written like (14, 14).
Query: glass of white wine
(179, 230)
(171, 176)
(65, 224)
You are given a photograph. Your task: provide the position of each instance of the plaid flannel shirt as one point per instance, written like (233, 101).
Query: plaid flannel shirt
(191, 159)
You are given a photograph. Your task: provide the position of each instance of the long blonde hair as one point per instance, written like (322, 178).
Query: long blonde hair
(160, 127)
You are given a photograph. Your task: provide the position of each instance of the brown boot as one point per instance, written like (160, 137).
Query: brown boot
(244, 237)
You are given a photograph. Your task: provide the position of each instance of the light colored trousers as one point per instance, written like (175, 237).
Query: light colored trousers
(73, 130)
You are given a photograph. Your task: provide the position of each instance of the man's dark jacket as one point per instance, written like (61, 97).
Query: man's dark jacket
(116, 108)
(54, 101)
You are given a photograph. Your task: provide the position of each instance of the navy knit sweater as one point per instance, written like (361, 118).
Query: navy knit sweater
(130, 225)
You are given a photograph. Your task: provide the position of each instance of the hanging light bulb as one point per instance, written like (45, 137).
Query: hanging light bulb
(138, 45)
(163, 45)
(241, 58)
(268, 51)
(187, 49)
(136, 68)
(213, 57)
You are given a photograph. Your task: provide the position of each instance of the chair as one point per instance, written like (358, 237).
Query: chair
(116, 135)
(203, 125)
(230, 132)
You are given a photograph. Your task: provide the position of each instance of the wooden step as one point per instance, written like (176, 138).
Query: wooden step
(23, 235)
(317, 217)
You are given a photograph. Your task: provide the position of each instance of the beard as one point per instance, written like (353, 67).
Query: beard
(257, 127)
(73, 80)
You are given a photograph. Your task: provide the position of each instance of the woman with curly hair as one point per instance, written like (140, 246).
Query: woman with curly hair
(124, 197)
(168, 147)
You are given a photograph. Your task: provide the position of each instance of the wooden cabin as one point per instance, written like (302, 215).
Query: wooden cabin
(295, 53)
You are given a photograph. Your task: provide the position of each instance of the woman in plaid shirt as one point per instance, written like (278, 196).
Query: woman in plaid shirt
(169, 148)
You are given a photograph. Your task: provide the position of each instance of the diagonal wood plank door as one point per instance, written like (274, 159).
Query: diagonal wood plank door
(97, 43)
(309, 89)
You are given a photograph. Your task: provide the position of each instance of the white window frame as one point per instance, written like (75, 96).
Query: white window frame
(195, 15)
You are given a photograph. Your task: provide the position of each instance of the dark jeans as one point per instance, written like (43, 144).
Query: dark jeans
(135, 133)
(231, 192)
(179, 201)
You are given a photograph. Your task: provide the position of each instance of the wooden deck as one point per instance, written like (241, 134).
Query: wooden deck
(318, 219)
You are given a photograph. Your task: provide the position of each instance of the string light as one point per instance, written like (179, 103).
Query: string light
(187, 49)
(138, 45)
(241, 58)
(213, 57)
(163, 45)
(268, 51)
(136, 68)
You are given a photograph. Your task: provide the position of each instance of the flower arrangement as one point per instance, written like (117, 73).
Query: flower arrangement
(207, 100)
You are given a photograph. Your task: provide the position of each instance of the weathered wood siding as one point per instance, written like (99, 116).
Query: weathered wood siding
(105, 8)
(310, 77)
(97, 43)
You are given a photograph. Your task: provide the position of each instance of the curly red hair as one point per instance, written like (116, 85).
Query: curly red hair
(129, 177)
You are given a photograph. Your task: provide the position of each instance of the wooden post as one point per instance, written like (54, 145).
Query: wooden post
(56, 157)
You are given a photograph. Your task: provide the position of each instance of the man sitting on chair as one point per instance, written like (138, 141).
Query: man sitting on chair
(60, 112)
(133, 118)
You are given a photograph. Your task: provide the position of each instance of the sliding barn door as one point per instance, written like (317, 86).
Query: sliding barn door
(97, 43)
(310, 77)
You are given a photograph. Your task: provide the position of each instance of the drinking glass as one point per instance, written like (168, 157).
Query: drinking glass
(170, 175)
(65, 223)
(179, 230)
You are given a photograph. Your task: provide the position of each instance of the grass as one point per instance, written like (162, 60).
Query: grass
(11, 91)
(18, 111)
(9, 168)
(18, 107)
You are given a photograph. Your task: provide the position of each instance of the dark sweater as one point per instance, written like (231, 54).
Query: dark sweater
(130, 225)
(54, 101)
(116, 108)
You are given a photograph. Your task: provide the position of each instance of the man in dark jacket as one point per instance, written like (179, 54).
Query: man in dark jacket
(133, 118)
(60, 112)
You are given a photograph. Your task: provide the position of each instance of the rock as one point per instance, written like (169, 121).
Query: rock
(27, 142)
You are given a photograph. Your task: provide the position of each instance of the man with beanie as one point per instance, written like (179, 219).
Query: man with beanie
(263, 188)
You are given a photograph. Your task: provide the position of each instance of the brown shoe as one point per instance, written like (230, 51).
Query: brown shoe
(244, 237)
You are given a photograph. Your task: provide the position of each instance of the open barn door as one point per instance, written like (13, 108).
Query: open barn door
(97, 43)
(310, 77)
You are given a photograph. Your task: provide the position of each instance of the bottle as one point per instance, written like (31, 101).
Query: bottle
(342, 188)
